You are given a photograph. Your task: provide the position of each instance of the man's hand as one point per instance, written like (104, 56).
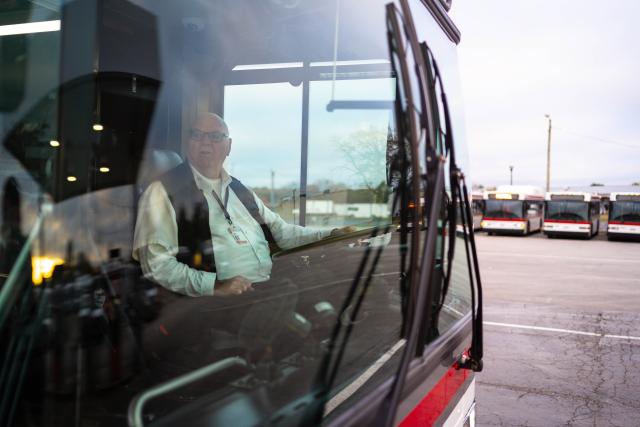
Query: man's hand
(237, 285)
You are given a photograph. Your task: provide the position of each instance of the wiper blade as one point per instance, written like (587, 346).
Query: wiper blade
(459, 191)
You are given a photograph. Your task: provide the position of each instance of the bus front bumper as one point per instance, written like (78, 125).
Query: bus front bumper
(623, 231)
(504, 227)
(566, 229)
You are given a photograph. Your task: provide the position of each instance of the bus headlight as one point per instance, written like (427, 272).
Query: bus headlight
(483, 224)
(521, 225)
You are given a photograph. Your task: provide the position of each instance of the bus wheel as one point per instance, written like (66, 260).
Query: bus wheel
(526, 230)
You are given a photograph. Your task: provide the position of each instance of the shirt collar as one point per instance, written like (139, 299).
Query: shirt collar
(207, 184)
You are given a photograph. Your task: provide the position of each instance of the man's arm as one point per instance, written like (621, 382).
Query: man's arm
(156, 245)
(167, 271)
(288, 235)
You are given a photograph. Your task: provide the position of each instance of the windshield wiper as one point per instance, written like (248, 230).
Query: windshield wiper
(414, 121)
(472, 360)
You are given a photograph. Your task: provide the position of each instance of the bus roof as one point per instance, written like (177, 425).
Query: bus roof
(571, 195)
(627, 195)
(521, 192)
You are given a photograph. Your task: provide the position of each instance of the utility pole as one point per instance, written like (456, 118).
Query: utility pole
(548, 153)
(272, 196)
(511, 175)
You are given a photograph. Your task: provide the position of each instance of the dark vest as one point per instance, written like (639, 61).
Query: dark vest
(192, 216)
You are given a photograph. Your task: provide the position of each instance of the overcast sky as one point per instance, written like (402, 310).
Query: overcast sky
(578, 61)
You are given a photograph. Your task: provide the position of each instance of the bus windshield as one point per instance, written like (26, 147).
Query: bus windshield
(198, 199)
(567, 210)
(625, 211)
(503, 209)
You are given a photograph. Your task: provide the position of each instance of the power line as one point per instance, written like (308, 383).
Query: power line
(595, 138)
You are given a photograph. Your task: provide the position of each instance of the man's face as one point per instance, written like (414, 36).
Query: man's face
(209, 144)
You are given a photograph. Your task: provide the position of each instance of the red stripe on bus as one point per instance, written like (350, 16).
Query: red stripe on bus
(504, 219)
(624, 222)
(566, 221)
(427, 412)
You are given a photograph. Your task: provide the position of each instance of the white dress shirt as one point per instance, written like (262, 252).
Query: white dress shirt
(156, 239)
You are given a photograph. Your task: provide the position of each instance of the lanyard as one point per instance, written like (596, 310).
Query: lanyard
(224, 206)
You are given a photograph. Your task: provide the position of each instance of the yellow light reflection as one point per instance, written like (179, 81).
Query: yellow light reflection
(98, 127)
(42, 268)
(54, 143)
(71, 178)
(503, 196)
(104, 169)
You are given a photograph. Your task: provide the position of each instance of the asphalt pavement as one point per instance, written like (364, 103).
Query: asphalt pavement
(562, 332)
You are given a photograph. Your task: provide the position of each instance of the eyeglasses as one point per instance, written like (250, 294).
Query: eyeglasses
(215, 137)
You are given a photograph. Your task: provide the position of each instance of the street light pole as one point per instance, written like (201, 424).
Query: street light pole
(511, 175)
(548, 153)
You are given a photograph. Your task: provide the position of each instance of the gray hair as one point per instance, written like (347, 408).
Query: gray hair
(203, 117)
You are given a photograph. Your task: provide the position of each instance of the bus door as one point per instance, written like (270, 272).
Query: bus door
(594, 208)
(534, 215)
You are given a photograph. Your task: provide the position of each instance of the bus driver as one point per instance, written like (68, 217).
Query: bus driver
(200, 232)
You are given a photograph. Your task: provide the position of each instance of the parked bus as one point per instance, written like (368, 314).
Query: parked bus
(512, 209)
(569, 213)
(624, 216)
(337, 111)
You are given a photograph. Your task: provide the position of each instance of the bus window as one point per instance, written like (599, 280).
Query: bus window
(567, 210)
(347, 182)
(266, 142)
(503, 209)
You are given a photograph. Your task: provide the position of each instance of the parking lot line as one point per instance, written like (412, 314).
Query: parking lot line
(559, 256)
(564, 331)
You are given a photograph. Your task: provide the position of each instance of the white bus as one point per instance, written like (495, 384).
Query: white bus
(624, 216)
(512, 209)
(570, 213)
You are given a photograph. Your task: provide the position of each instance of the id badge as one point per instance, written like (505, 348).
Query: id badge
(237, 235)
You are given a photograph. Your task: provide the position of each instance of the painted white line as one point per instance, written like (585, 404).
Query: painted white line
(622, 337)
(349, 390)
(603, 259)
(573, 276)
(564, 331)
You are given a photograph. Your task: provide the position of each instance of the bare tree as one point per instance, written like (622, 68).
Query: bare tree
(364, 154)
